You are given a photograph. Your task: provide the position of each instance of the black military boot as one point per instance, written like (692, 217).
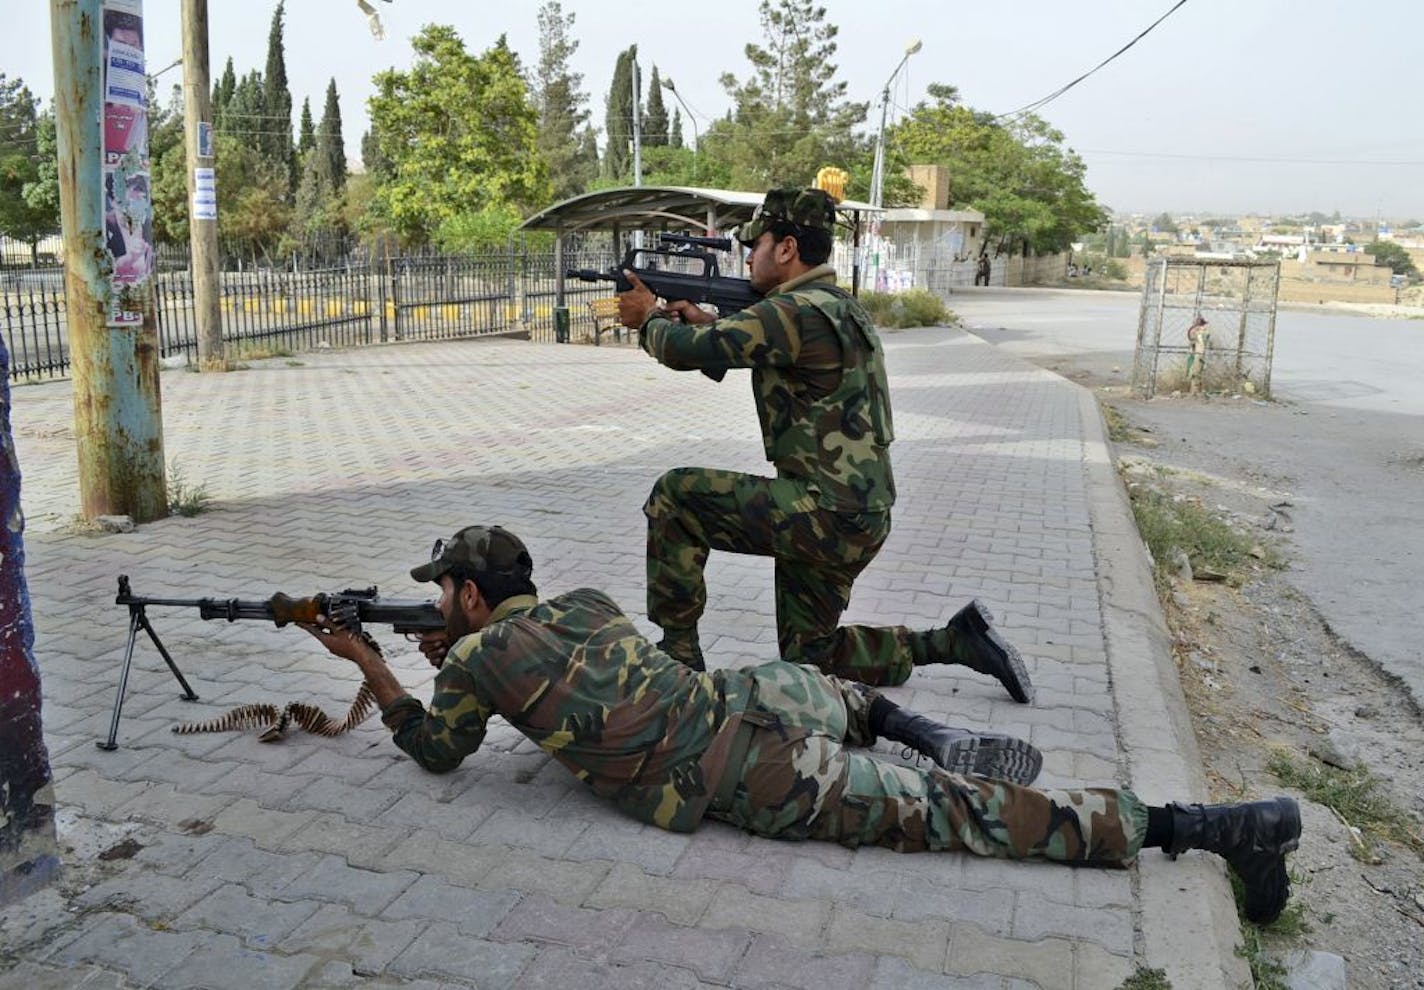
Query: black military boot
(973, 642)
(963, 751)
(1253, 838)
(684, 646)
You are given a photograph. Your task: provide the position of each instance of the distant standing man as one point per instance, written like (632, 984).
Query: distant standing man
(1198, 335)
(818, 378)
(981, 271)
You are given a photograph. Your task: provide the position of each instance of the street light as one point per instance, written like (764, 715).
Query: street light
(696, 140)
(877, 173)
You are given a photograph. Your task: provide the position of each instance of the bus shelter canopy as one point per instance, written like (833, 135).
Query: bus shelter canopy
(652, 207)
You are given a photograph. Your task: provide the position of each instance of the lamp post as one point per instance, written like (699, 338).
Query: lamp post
(877, 173)
(696, 140)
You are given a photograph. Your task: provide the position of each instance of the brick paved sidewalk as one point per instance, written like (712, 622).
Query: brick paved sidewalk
(337, 863)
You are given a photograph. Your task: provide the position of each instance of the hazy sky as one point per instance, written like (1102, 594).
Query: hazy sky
(1273, 106)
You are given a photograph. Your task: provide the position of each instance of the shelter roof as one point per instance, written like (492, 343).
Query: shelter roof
(632, 207)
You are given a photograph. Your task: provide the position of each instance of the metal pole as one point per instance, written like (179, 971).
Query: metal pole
(118, 421)
(202, 187)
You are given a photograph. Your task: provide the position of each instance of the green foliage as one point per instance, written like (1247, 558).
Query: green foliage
(618, 121)
(912, 308)
(274, 130)
(306, 131)
(25, 218)
(1169, 524)
(572, 160)
(1030, 188)
(186, 499)
(1354, 795)
(330, 145)
(790, 116)
(478, 230)
(42, 192)
(1164, 223)
(1146, 979)
(654, 125)
(459, 132)
(1394, 255)
(253, 211)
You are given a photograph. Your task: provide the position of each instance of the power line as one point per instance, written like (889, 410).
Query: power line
(1037, 104)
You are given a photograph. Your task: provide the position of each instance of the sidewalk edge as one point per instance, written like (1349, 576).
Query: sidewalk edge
(1186, 915)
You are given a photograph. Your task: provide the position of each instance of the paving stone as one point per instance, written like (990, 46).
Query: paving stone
(799, 922)
(368, 945)
(460, 862)
(260, 872)
(331, 879)
(444, 950)
(922, 943)
(1036, 917)
(711, 955)
(222, 963)
(568, 883)
(33, 976)
(973, 951)
(653, 850)
(585, 930)
(512, 827)
(150, 895)
(267, 827)
(475, 912)
(772, 962)
(259, 922)
(561, 969)
(454, 820)
(121, 942)
(679, 901)
(360, 845)
(894, 973)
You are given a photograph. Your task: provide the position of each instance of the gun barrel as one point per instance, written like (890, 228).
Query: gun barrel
(590, 275)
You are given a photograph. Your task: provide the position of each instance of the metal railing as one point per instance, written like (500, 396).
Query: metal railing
(340, 296)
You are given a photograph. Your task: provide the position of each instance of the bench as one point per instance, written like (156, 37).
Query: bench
(605, 317)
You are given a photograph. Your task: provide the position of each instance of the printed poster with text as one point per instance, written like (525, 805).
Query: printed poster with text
(128, 202)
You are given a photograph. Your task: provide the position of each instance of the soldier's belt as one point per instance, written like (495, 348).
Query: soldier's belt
(732, 774)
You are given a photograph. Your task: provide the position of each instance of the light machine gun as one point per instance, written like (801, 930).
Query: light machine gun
(350, 609)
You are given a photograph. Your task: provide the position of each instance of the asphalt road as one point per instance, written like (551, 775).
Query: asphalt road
(1345, 437)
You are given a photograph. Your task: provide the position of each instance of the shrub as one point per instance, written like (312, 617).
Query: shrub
(912, 308)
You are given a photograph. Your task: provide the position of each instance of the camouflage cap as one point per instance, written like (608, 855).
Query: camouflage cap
(813, 209)
(483, 549)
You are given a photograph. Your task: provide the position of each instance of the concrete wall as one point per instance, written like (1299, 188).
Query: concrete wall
(1044, 269)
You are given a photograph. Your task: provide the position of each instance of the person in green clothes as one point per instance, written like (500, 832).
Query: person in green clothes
(768, 748)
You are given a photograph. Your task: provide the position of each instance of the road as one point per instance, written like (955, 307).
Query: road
(1345, 437)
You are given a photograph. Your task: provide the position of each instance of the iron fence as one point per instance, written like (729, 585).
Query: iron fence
(336, 294)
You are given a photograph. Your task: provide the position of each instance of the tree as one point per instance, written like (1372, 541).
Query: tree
(558, 93)
(223, 91)
(675, 129)
(618, 118)
(275, 124)
(330, 145)
(791, 116)
(655, 121)
(1030, 188)
(306, 131)
(1394, 255)
(25, 218)
(460, 134)
(1164, 224)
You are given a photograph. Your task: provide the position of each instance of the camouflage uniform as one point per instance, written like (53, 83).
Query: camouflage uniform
(762, 748)
(818, 378)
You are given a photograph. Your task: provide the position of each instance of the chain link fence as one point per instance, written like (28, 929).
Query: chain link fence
(1206, 326)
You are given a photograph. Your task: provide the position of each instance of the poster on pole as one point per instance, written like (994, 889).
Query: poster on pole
(205, 194)
(128, 200)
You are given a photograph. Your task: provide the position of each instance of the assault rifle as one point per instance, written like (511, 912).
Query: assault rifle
(349, 609)
(685, 269)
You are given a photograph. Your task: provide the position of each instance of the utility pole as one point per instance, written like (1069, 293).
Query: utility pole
(202, 186)
(118, 421)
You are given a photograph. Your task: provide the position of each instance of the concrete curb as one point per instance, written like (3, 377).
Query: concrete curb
(1187, 918)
